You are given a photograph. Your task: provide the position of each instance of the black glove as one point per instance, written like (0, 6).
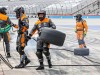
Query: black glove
(28, 38)
(21, 48)
(12, 24)
(20, 32)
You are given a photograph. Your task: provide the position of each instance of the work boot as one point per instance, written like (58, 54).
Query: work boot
(41, 67)
(21, 65)
(8, 55)
(27, 61)
(49, 64)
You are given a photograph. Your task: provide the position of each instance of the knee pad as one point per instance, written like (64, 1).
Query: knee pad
(46, 51)
(21, 52)
(48, 57)
(39, 54)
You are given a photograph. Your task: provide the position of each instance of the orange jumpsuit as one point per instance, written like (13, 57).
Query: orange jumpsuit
(4, 20)
(81, 28)
(22, 26)
(42, 47)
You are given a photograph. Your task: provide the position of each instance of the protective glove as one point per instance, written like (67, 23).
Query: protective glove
(85, 33)
(75, 30)
(21, 48)
(12, 25)
(28, 37)
(20, 32)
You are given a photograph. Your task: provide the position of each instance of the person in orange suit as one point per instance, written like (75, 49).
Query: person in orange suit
(42, 47)
(4, 21)
(81, 30)
(23, 25)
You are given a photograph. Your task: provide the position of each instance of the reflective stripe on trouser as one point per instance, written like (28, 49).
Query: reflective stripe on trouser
(22, 58)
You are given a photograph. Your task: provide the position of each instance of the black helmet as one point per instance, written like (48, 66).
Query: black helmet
(19, 11)
(42, 12)
(78, 17)
(3, 10)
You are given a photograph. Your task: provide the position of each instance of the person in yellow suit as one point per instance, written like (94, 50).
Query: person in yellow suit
(81, 30)
(42, 47)
(23, 25)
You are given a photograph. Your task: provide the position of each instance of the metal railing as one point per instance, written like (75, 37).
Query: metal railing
(89, 9)
(57, 8)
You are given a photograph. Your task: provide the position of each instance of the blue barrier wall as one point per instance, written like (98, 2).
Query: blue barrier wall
(63, 17)
(11, 16)
(71, 17)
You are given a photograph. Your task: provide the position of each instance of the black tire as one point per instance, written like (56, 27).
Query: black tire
(81, 51)
(53, 36)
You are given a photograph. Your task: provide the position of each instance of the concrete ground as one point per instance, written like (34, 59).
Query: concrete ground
(59, 57)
